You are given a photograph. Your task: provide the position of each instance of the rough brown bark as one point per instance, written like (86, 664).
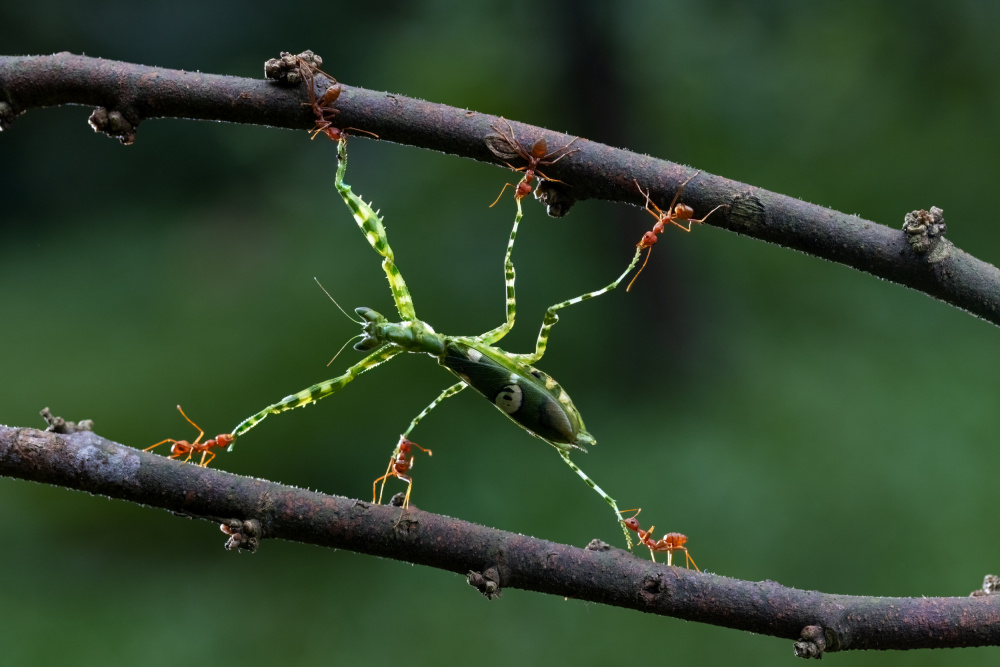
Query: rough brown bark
(127, 94)
(253, 509)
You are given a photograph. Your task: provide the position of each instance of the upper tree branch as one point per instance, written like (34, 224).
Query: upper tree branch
(128, 94)
(495, 559)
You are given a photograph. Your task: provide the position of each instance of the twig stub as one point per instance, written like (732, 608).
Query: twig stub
(925, 232)
(60, 425)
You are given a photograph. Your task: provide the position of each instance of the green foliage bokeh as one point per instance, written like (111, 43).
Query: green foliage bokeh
(798, 420)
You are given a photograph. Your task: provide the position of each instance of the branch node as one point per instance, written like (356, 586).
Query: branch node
(649, 591)
(60, 425)
(286, 68)
(7, 116)
(557, 199)
(114, 124)
(991, 586)
(924, 232)
(487, 583)
(812, 642)
(598, 545)
(243, 535)
(747, 214)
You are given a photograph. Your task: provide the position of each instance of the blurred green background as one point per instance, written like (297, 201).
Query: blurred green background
(798, 420)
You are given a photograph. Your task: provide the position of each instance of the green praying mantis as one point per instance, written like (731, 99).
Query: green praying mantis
(529, 397)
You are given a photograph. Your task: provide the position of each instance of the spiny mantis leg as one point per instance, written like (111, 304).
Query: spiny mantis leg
(592, 484)
(551, 317)
(491, 337)
(318, 391)
(373, 229)
(447, 393)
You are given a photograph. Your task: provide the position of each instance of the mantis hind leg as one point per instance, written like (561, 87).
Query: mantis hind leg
(447, 393)
(608, 499)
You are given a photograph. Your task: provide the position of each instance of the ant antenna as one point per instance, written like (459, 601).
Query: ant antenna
(649, 251)
(339, 308)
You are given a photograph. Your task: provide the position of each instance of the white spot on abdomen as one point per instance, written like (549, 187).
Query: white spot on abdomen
(510, 398)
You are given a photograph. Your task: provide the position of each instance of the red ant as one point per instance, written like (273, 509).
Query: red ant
(182, 447)
(399, 465)
(323, 105)
(678, 215)
(506, 147)
(670, 543)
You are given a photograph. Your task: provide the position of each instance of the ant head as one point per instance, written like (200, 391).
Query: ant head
(223, 440)
(648, 239)
(523, 189)
(180, 447)
(406, 445)
(631, 523)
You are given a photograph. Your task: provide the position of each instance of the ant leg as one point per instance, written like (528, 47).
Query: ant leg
(405, 478)
(690, 222)
(682, 227)
(201, 433)
(502, 190)
(151, 447)
(681, 189)
(510, 129)
(409, 488)
(383, 478)
(649, 252)
(549, 178)
(559, 150)
(658, 214)
(424, 449)
(320, 127)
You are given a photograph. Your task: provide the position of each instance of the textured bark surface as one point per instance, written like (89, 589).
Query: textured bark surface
(127, 94)
(495, 559)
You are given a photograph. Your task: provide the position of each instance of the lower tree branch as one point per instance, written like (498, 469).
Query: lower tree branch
(253, 509)
(126, 94)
